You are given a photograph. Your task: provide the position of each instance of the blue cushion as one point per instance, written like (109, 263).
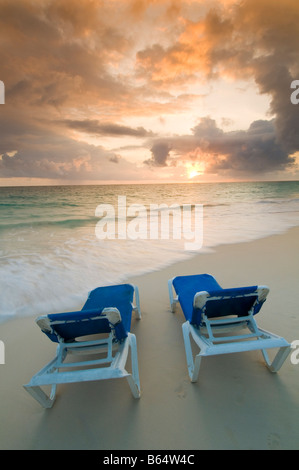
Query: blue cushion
(120, 296)
(187, 286)
(238, 300)
(71, 325)
(89, 320)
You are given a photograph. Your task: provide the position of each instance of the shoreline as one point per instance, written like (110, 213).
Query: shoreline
(182, 258)
(236, 403)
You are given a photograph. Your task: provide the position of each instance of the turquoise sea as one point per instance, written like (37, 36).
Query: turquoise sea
(50, 256)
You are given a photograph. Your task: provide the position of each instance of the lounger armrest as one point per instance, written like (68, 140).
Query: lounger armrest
(239, 301)
(44, 321)
(201, 298)
(114, 317)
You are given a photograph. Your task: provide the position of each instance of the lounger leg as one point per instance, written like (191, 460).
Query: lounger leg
(133, 386)
(171, 299)
(39, 395)
(137, 300)
(193, 368)
(133, 379)
(278, 360)
(196, 368)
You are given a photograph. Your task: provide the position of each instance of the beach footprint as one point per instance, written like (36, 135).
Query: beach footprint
(181, 390)
(273, 441)
(239, 390)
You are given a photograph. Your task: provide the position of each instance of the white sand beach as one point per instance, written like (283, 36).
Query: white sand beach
(236, 403)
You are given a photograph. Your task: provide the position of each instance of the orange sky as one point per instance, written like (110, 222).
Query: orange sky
(100, 91)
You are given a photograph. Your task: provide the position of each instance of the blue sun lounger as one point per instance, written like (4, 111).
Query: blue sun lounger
(213, 313)
(106, 315)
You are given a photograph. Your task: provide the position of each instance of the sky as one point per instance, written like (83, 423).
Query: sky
(144, 91)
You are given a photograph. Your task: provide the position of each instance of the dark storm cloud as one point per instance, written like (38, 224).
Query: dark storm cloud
(253, 151)
(160, 153)
(87, 65)
(255, 39)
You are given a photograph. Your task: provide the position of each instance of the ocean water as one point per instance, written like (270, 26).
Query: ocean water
(52, 250)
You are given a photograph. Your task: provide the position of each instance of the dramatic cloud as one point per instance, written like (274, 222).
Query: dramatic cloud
(160, 152)
(58, 157)
(256, 39)
(121, 89)
(95, 127)
(240, 152)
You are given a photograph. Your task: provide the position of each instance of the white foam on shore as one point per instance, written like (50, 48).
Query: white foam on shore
(49, 267)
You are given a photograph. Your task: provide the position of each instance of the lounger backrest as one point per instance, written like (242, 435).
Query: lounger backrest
(119, 296)
(92, 319)
(187, 286)
(226, 302)
(71, 325)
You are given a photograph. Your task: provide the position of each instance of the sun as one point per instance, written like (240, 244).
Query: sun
(192, 174)
(193, 170)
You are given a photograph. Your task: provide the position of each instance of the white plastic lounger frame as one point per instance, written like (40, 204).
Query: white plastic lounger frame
(57, 371)
(210, 345)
